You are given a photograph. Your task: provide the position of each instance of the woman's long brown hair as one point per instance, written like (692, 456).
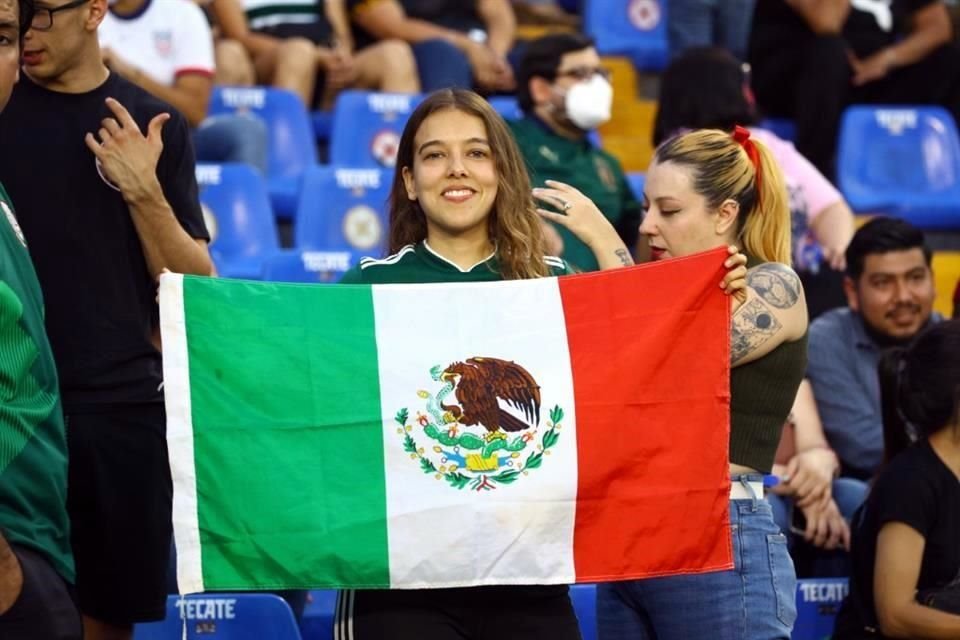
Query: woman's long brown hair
(513, 223)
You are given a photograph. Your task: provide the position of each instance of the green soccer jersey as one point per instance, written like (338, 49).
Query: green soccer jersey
(420, 263)
(596, 173)
(33, 448)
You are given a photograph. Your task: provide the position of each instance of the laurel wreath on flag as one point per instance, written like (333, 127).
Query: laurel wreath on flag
(454, 476)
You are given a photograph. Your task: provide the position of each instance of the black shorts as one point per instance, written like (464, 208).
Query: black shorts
(45, 608)
(477, 613)
(119, 497)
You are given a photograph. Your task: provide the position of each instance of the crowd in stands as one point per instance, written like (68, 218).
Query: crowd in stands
(106, 107)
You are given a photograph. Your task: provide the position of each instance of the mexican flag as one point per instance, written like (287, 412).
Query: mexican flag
(558, 430)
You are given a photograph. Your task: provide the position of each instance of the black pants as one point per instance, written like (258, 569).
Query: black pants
(478, 613)
(45, 608)
(809, 80)
(119, 497)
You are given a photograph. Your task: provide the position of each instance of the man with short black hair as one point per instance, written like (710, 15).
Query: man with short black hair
(36, 567)
(890, 293)
(565, 94)
(103, 178)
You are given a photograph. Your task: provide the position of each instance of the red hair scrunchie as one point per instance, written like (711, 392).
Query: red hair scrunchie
(742, 137)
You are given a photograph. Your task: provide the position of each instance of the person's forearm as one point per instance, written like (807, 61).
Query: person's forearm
(193, 107)
(165, 243)
(611, 253)
(834, 226)
(917, 46)
(914, 620)
(336, 12)
(501, 25)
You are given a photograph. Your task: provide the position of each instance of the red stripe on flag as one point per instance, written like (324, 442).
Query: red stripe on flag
(652, 393)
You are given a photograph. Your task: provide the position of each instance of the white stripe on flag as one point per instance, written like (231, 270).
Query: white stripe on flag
(176, 376)
(516, 533)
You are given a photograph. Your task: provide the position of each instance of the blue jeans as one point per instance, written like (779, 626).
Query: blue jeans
(849, 494)
(232, 137)
(705, 23)
(442, 65)
(754, 601)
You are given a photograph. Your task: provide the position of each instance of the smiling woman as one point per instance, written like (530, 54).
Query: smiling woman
(462, 210)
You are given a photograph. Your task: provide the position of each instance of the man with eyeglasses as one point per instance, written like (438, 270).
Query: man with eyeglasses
(565, 94)
(103, 177)
(36, 565)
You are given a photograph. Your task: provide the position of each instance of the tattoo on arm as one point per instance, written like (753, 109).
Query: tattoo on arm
(753, 325)
(776, 284)
(624, 256)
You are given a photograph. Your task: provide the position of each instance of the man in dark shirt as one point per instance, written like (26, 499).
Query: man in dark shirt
(812, 58)
(103, 178)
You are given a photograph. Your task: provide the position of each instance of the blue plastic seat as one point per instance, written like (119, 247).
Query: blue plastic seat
(636, 180)
(342, 210)
(240, 616)
(367, 127)
(584, 598)
(818, 601)
(507, 106)
(291, 138)
(326, 266)
(902, 161)
(239, 218)
(317, 622)
(636, 29)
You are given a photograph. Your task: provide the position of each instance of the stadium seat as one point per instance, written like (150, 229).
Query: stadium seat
(343, 210)
(633, 28)
(308, 266)
(506, 106)
(902, 161)
(317, 623)
(237, 212)
(818, 601)
(246, 616)
(291, 138)
(367, 127)
(636, 181)
(584, 597)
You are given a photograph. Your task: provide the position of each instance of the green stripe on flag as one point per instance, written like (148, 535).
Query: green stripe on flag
(304, 363)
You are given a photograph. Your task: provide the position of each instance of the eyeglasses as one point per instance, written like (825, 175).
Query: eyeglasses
(585, 73)
(43, 16)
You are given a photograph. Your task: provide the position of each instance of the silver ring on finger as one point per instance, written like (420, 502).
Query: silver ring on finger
(567, 205)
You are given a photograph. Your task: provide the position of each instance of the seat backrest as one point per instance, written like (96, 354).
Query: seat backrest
(291, 141)
(246, 616)
(893, 159)
(367, 127)
(343, 209)
(818, 601)
(633, 28)
(507, 106)
(584, 599)
(237, 211)
(308, 266)
(636, 180)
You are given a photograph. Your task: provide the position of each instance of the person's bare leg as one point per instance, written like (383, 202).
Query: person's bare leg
(387, 66)
(293, 66)
(234, 66)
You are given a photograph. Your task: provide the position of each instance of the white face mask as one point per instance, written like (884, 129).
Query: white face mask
(588, 103)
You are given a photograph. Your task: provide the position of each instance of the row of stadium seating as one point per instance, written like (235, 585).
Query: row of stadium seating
(341, 216)
(901, 161)
(267, 617)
